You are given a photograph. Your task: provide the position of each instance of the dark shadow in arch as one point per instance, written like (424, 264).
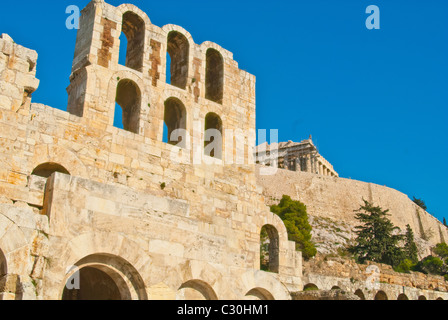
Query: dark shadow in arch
(102, 282)
(134, 29)
(214, 76)
(269, 249)
(45, 170)
(178, 49)
(381, 295)
(128, 97)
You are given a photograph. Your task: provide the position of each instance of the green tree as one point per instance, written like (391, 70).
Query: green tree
(430, 264)
(410, 248)
(377, 239)
(441, 249)
(294, 216)
(444, 222)
(420, 203)
(405, 266)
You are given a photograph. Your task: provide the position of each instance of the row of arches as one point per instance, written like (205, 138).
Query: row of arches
(379, 295)
(128, 99)
(108, 277)
(132, 41)
(175, 127)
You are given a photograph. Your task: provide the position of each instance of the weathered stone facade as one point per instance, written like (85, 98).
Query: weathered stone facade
(78, 191)
(75, 191)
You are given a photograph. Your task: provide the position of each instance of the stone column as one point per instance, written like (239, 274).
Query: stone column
(308, 163)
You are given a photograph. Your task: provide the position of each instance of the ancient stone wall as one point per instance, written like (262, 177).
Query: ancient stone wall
(336, 199)
(367, 280)
(78, 191)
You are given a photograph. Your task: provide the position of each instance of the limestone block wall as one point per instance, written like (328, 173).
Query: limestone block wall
(338, 198)
(114, 200)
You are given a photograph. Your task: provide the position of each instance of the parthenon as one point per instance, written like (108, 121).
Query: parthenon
(295, 156)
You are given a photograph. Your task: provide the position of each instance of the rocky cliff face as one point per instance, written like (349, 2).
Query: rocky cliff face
(331, 203)
(333, 237)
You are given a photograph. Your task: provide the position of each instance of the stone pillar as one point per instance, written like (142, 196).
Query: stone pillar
(308, 164)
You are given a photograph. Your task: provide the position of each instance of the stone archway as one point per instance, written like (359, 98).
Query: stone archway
(402, 297)
(103, 277)
(381, 295)
(196, 290)
(360, 294)
(259, 294)
(96, 283)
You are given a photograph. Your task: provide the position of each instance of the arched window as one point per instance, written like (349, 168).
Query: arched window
(360, 294)
(402, 297)
(175, 119)
(335, 288)
(213, 136)
(381, 295)
(104, 277)
(134, 29)
(269, 249)
(214, 76)
(129, 99)
(178, 52)
(310, 287)
(45, 170)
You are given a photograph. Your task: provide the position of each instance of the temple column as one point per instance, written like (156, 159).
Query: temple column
(308, 164)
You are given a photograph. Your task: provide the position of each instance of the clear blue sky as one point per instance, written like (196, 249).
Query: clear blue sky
(375, 101)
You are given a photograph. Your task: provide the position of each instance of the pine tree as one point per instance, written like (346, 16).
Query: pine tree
(410, 248)
(377, 239)
(420, 203)
(444, 222)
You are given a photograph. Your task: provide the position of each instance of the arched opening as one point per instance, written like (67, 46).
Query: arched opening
(96, 284)
(360, 294)
(402, 297)
(259, 294)
(45, 170)
(214, 76)
(213, 139)
(422, 298)
(335, 288)
(178, 52)
(381, 295)
(129, 99)
(134, 29)
(310, 287)
(439, 298)
(196, 290)
(269, 249)
(103, 277)
(175, 118)
(3, 265)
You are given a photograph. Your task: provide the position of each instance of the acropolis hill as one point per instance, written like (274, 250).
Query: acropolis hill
(77, 191)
